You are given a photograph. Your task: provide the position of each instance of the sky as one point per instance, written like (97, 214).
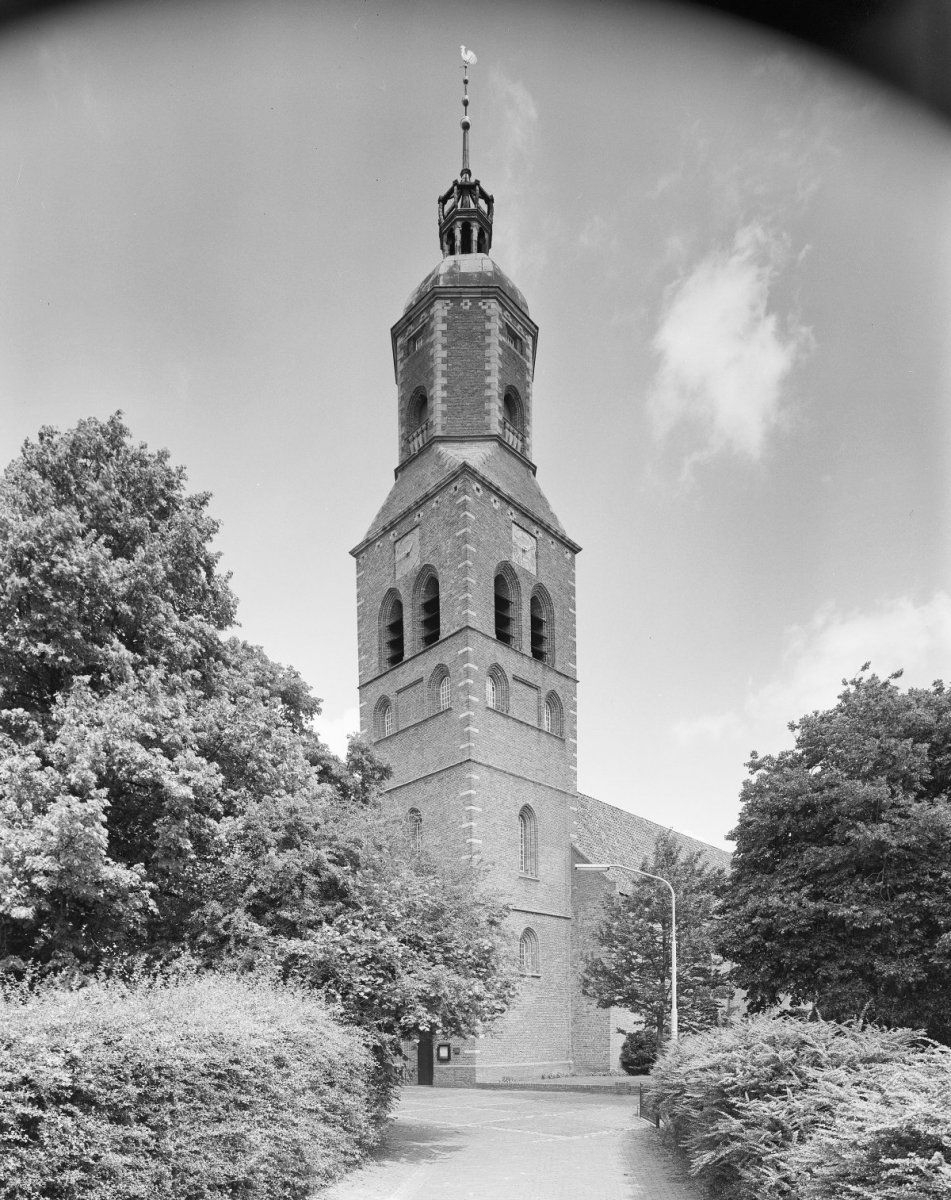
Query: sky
(739, 256)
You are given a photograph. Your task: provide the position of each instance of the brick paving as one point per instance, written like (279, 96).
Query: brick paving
(471, 1144)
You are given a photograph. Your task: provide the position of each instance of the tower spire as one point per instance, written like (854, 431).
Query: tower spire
(468, 60)
(465, 211)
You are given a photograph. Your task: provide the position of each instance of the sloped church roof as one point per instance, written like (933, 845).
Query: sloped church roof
(603, 833)
(496, 465)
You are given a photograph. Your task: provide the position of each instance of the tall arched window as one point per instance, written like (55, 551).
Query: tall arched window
(507, 606)
(513, 421)
(414, 820)
(553, 716)
(418, 419)
(429, 611)
(418, 411)
(527, 842)
(528, 952)
(512, 409)
(541, 622)
(497, 689)
(391, 631)
(383, 723)
(440, 689)
(503, 610)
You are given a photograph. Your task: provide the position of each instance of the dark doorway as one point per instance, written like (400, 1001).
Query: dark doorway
(424, 1059)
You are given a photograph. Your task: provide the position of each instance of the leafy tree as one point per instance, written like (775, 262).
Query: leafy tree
(335, 897)
(161, 785)
(839, 891)
(104, 566)
(632, 970)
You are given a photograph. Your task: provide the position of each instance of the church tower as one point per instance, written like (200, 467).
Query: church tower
(466, 626)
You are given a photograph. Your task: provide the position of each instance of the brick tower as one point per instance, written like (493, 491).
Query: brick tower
(466, 627)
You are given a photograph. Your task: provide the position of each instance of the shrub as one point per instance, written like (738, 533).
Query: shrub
(891, 1138)
(745, 1102)
(197, 1087)
(639, 1052)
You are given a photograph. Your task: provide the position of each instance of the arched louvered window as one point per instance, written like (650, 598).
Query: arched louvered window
(429, 611)
(528, 952)
(503, 610)
(383, 723)
(392, 645)
(507, 606)
(541, 624)
(415, 824)
(527, 842)
(497, 689)
(553, 715)
(445, 693)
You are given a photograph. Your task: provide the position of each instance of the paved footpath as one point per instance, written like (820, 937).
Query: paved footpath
(471, 1144)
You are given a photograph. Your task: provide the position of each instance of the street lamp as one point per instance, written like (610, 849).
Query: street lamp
(601, 868)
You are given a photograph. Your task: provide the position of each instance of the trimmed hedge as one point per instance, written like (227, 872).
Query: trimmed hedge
(186, 1089)
(779, 1108)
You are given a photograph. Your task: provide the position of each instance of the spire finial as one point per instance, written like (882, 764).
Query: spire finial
(465, 210)
(468, 60)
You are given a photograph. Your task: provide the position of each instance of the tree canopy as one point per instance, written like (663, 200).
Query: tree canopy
(161, 785)
(839, 891)
(632, 968)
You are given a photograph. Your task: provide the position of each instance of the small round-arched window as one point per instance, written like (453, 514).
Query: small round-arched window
(553, 715)
(528, 952)
(414, 821)
(383, 723)
(440, 689)
(497, 689)
(527, 842)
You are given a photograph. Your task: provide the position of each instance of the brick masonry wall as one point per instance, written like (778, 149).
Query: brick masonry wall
(468, 329)
(418, 369)
(464, 364)
(465, 532)
(591, 1025)
(469, 770)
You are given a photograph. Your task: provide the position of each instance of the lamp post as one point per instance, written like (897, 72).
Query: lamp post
(601, 868)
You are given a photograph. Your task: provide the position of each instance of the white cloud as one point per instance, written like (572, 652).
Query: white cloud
(817, 656)
(521, 118)
(832, 647)
(518, 121)
(724, 355)
(713, 727)
(334, 731)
